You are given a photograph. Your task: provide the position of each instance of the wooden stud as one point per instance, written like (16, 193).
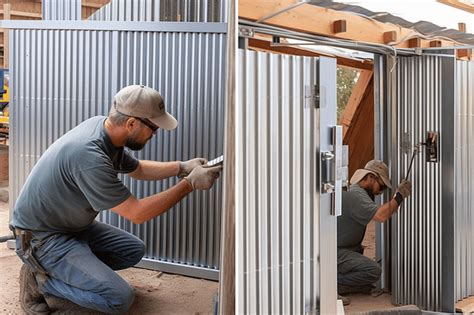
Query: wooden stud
(6, 16)
(435, 43)
(339, 26)
(414, 43)
(389, 37)
(462, 27)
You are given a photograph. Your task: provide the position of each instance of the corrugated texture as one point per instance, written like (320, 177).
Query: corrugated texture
(61, 78)
(61, 10)
(277, 204)
(417, 227)
(464, 170)
(163, 10)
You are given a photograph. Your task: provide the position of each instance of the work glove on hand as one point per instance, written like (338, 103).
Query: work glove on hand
(186, 167)
(202, 177)
(404, 188)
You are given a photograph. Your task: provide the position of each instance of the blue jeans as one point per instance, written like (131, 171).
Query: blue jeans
(355, 269)
(81, 266)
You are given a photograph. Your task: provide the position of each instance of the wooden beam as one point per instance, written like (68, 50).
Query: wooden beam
(436, 43)
(462, 27)
(465, 54)
(23, 14)
(458, 5)
(6, 16)
(389, 37)
(414, 43)
(340, 26)
(265, 45)
(312, 19)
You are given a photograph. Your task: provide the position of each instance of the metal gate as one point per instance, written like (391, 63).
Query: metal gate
(285, 224)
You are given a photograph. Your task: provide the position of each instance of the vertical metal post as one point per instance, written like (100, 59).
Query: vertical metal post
(447, 184)
(327, 226)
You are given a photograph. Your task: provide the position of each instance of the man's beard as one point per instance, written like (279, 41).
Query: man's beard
(370, 192)
(134, 145)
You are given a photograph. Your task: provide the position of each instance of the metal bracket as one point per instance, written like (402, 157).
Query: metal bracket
(334, 170)
(246, 32)
(311, 96)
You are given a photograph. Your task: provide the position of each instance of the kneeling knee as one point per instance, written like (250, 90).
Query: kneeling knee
(122, 300)
(375, 273)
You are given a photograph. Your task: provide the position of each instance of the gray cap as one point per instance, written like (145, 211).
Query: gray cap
(144, 102)
(375, 167)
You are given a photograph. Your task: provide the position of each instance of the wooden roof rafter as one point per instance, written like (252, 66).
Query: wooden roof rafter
(310, 19)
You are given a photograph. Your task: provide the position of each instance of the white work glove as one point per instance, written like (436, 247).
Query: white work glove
(203, 177)
(186, 167)
(404, 188)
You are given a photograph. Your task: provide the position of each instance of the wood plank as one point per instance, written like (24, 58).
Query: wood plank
(355, 99)
(312, 19)
(466, 306)
(6, 16)
(458, 5)
(262, 44)
(360, 134)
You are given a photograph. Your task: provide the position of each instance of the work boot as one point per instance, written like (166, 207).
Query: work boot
(345, 300)
(31, 299)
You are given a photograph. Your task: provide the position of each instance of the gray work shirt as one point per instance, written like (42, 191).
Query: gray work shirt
(357, 211)
(75, 178)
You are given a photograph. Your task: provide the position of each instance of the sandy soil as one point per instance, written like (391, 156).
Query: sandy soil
(156, 293)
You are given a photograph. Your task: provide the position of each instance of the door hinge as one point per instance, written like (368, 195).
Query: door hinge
(311, 96)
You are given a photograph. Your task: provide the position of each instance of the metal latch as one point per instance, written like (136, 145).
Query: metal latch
(334, 170)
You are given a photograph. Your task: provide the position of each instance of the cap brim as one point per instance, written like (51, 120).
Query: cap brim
(386, 181)
(167, 121)
(359, 174)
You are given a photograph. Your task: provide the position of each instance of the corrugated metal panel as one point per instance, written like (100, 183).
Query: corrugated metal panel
(417, 227)
(464, 172)
(61, 10)
(61, 78)
(163, 10)
(277, 199)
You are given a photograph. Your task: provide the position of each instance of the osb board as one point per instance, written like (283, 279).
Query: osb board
(360, 135)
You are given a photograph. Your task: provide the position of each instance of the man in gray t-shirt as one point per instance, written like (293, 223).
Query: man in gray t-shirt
(356, 272)
(67, 254)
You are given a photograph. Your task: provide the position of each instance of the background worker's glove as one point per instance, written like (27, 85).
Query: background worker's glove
(203, 177)
(186, 167)
(404, 188)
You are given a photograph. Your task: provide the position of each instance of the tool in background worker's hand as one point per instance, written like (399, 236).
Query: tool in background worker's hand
(416, 150)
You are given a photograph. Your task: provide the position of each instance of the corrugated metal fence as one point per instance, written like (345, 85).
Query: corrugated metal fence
(278, 216)
(62, 77)
(164, 10)
(61, 10)
(464, 172)
(431, 236)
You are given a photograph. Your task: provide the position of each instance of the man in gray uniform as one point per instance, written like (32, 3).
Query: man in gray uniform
(67, 254)
(356, 272)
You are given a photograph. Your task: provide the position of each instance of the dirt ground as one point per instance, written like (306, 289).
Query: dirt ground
(156, 293)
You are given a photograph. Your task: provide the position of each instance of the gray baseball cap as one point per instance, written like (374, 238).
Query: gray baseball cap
(144, 102)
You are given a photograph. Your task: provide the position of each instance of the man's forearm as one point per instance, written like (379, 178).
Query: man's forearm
(142, 210)
(153, 170)
(385, 211)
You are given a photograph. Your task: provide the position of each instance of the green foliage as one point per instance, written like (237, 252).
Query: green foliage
(346, 79)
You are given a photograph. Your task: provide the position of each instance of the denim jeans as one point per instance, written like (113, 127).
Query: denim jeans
(355, 269)
(81, 266)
